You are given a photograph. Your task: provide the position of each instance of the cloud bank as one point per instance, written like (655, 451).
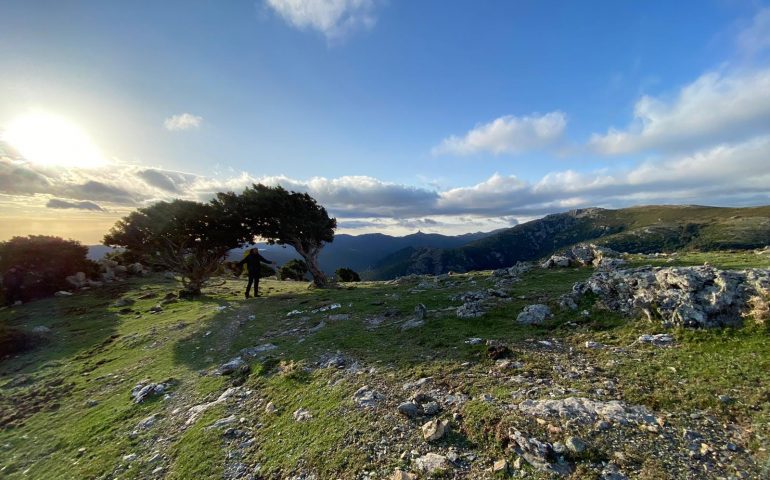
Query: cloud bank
(63, 204)
(725, 174)
(717, 107)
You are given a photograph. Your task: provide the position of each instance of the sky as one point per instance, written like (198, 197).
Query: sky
(443, 116)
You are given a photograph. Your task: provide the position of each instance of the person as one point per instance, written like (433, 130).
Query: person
(252, 262)
(12, 283)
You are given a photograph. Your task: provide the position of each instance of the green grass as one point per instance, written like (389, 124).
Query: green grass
(97, 354)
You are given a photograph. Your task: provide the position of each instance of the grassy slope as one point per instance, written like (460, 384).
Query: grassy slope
(97, 354)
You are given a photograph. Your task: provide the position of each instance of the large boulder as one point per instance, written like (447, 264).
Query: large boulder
(681, 296)
(534, 314)
(585, 254)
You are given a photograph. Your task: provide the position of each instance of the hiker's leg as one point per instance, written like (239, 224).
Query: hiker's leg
(256, 285)
(248, 286)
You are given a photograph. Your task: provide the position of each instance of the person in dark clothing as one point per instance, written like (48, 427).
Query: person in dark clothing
(12, 283)
(252, 262)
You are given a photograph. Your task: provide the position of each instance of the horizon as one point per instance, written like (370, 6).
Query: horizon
(380, 110)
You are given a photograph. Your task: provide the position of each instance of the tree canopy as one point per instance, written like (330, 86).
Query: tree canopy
(189, 238)
(283, 217)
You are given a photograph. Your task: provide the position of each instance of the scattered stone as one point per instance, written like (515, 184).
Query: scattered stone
(412, 323)
(196, 411)
(130, 457)
(500, 467)
(302, 415)
(431, 463)
(417, 383)
(258, 350)
(557, 261)
(340, 317)
(366, 397)
(223, 422)
(420, 312)
(147, 422)
(594, 345)
(726, 399)
(539, 454)
(410, 409)
(399, 474)
(270, 408)
(575, 445)
(237, 364)
(434, 429)
(534, 314)
(156, 309)
(470, 310)
(585, 410)
(659, 340)
(431, 408)
(474, 341)
(141, 391)
(62, 293)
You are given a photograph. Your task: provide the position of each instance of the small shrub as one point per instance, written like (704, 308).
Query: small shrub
(293, 270)
(45, 262)
(347, 275)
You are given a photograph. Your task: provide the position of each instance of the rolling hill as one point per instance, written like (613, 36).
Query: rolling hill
(643, 229)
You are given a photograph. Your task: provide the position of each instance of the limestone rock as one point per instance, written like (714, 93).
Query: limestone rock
(701, 297)
(235, 365)
(302, 415)
(534, 314)
(434, 429)
(366, 397)
(432, 463)
(402, 475)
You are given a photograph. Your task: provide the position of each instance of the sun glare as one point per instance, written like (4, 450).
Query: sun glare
(52, 140)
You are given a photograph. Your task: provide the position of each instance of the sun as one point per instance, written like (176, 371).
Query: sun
(52, 140)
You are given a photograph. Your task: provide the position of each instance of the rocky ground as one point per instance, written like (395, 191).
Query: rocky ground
(569, 369)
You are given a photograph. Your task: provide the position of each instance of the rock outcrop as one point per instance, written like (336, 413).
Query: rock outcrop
(702, 297)
(585, 254)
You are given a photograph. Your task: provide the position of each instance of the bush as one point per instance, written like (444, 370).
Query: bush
(347, 275)
(46, 262)
(13, 340)
(266, 271)
(293, 270)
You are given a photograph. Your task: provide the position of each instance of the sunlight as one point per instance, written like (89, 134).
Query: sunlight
(53, 140)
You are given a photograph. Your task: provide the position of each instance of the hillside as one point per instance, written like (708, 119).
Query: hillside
(634, 230)
(362, 252)
(349, 383)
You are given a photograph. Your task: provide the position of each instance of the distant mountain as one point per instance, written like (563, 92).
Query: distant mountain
(638, 229)
(363, 252)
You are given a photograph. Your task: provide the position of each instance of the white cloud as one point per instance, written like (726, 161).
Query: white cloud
(182, 121)
(756, 37)
(508, 134)
(715, 108)
(333, 18)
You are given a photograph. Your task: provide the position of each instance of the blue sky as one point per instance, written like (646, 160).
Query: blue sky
(448, 116)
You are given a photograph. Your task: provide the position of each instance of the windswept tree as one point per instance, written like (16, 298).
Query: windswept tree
(283, 217)
(188, 238)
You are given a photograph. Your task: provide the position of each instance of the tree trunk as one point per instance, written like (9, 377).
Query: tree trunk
(319, 279)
